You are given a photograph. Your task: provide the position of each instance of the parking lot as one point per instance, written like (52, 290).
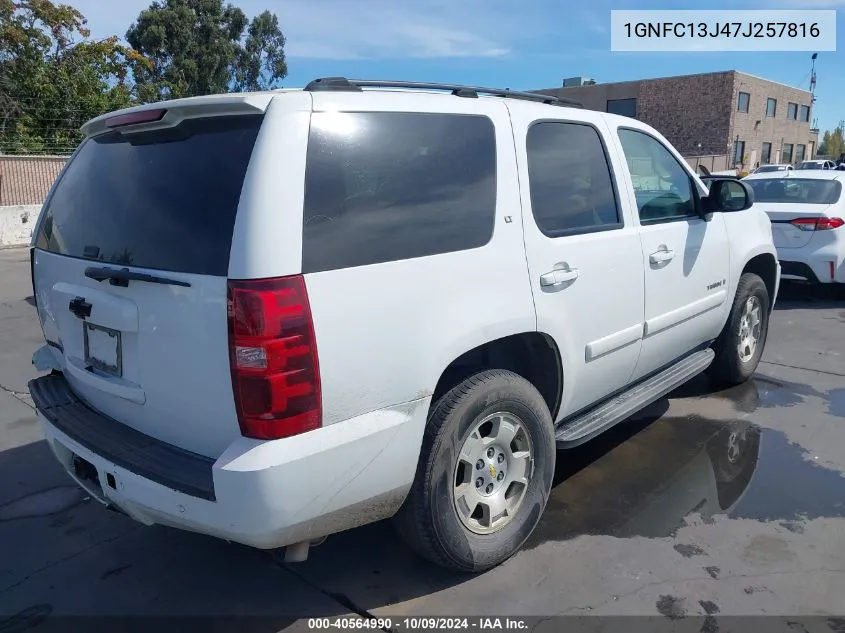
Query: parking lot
(708, 502)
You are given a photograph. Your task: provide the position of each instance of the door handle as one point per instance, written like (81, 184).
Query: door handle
(558, 277)
(664, 255)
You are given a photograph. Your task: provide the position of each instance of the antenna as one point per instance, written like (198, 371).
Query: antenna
(813, 79)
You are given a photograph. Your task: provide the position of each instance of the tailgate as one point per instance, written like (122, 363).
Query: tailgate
(130, 267)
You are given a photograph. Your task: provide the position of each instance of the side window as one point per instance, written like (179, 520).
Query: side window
(569, 179)
(663, 188)
(387, 186)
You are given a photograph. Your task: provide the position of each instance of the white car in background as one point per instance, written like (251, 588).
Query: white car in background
(764, 169)
(816, 164)
(806, 209)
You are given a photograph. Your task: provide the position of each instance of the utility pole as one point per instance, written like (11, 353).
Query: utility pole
(813, 79)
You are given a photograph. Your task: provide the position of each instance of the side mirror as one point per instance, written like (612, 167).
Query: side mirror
(728, 195)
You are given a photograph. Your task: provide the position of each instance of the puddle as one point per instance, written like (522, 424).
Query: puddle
(647, 477)
(836, 403)
(43, 503)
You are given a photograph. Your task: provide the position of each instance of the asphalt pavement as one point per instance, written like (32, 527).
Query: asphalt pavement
(709, 502)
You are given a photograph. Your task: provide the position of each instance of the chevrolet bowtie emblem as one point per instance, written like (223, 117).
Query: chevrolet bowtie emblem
(492, 471)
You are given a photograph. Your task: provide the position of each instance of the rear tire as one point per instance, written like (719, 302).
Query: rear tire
(740, 345)
(484, 473)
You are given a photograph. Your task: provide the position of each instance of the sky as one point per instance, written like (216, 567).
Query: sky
(517, 44)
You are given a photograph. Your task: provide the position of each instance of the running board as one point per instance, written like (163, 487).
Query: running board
(586, 426)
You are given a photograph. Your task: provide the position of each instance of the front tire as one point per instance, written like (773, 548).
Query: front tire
(740, 345)
(484, 473)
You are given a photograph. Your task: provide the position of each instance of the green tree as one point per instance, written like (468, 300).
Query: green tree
(833, 143)
(54, 77)
(203, 47)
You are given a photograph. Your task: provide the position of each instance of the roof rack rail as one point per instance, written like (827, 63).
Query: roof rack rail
(342, 84)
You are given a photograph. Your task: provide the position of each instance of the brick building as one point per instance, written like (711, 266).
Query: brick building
(740, 118)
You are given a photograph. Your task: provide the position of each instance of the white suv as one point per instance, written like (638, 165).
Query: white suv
(271, 317)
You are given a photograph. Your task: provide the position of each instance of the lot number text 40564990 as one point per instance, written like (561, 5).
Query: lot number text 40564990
(419, 624)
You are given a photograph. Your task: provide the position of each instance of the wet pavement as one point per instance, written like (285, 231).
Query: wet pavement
(709, 502)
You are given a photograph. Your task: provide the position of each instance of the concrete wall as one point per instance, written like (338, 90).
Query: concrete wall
(16, 224)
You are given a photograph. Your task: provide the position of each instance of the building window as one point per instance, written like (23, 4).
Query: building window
(739, 152)
(800, 150)
(792, 111)
(625, 107)
(771, 107)
(805, 113)
(766, 158)
(786, 153)
(743, 101)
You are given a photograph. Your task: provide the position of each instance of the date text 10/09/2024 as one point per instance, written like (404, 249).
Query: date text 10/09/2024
(418, 624)
(727, 29)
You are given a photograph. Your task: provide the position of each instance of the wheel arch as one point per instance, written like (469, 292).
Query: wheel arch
(533, 355)
(765, 266)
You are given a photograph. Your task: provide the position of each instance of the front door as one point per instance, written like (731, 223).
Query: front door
(685, 256)
(583, 251)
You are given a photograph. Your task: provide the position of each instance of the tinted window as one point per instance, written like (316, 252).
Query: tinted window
(797, 190)
(662, 187)
(767, 152)
(625, 107)
(164, 200)
(786, 153)
(569, 179)
(386, 186)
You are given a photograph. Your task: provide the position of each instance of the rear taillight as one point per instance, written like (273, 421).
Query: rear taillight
(273, 354)
(817, 224)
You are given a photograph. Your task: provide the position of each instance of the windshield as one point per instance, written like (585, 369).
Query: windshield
(797, 190)
(765, 168)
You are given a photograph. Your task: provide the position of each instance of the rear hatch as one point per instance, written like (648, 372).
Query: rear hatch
(131, 257)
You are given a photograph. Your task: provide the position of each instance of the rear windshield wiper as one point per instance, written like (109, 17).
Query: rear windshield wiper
(122, 277)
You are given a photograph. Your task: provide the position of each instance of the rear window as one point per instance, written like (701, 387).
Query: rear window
(797, 190)
(165, 200)
(386, 186)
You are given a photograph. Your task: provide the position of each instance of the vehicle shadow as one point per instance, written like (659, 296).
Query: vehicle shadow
(108, 565)
(794, 295)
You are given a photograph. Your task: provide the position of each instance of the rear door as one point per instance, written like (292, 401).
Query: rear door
(583, 250)
(131, 258)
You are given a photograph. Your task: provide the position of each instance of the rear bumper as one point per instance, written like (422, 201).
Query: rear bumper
(820, 261)
(261, 494)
